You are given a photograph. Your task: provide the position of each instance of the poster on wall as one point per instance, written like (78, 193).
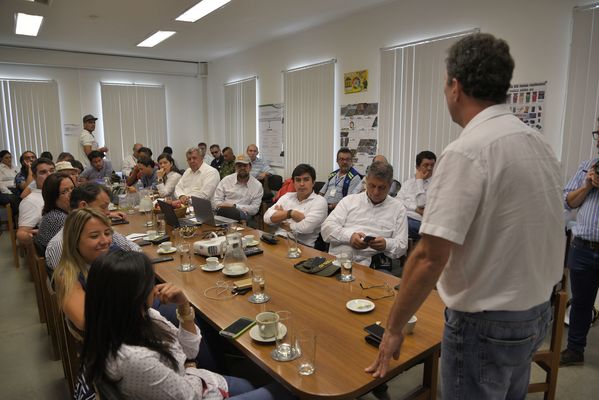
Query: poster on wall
(355, 82)
(270, 128)
(359, 132)
(527, 102)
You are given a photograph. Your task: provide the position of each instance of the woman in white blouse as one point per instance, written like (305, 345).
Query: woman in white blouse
(133, 346)
(168, 175)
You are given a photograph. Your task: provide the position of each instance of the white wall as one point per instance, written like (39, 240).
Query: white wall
(538, 32)
(79, 90)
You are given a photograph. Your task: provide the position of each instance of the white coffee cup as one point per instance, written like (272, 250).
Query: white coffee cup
(267, 324)
(409, 328)
(249, 238)
(165, 246)
(212, 262)
(151, 234)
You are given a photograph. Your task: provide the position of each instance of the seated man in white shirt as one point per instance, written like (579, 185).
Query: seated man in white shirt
(199, 180)
(204, 149)
(370, 225)
(131, 161)
(30, 209)
(413, 191)
(394, 185)
(302, 211)
(342, 181)
(261, 169)
(240, 190)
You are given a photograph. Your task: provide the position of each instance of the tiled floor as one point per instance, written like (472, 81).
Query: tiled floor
(26, 371)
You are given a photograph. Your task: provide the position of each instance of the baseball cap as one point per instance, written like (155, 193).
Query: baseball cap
(242, 159)
(89, 117)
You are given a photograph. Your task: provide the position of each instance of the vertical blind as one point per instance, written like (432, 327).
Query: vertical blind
(133, 114)
(413, 114)
(582, 96)
(309, 96)
(240, 114)
(30, 117)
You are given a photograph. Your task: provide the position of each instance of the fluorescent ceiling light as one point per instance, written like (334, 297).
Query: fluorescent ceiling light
(201, 9)
(156, 38)
(28, 25)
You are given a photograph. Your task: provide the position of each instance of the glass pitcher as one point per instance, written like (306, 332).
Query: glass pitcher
(235, 261)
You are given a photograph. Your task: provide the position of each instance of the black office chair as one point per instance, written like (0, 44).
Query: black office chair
(318, 185)
(275, 182)
(229, 212)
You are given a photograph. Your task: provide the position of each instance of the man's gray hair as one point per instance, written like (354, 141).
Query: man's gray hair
(194, 150)
(381, 170)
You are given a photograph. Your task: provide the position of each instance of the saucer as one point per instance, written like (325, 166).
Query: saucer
(242, 272)
(252, 243)
(206, 268)
(255, 334)
(169, 251)
(360, 305)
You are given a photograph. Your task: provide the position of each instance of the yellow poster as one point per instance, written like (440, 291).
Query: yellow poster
(355, 82)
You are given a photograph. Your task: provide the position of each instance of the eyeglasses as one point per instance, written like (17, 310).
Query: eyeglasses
(595, 135)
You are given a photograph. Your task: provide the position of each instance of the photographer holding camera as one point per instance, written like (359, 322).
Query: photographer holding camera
(582, 193)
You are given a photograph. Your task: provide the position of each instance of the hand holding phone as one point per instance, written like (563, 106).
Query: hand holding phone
(368, 239)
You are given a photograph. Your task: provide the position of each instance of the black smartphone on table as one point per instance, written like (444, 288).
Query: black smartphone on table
(239, 326)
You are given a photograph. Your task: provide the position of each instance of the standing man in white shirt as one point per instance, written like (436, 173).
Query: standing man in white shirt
(413, 191)
(131, 160)
(371, 225)
(493, 232)
(302, 211)
(261, 169)
(87, 140)
(199, 180)
(240, 190)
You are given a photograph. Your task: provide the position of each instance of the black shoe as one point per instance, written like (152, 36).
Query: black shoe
(381, 393)
(571, 357)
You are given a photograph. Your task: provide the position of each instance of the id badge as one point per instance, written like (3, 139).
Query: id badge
(333, 192)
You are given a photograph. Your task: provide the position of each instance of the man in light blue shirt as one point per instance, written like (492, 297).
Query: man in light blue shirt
(99, 168)
(260, 168)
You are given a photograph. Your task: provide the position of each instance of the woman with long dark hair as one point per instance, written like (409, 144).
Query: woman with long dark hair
(168, 175)
(57, 198)
(132, 345)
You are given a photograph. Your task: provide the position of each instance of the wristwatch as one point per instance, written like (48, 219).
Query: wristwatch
(190, 316)
(289, 213)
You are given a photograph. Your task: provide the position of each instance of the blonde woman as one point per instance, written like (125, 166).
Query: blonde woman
(87, 236)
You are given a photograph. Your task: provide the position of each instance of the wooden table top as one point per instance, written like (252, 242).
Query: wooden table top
(315, 302)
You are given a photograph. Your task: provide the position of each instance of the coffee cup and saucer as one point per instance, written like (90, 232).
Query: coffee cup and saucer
(250, 241)
(268, 328)
(212, 264)
(166, 248)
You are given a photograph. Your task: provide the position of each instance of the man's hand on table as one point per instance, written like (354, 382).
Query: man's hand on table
(390, 347)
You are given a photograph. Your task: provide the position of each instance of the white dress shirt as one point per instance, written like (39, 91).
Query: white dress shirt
(167, 187)
(356, 213)
(246, 196)
(7, 178)
(201, 183)
(314, 209)
(128, 164)
(141, 373)
(497, 196)
(30, 209)
(412, 194)
(86, 139)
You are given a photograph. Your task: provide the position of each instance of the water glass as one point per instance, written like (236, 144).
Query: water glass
(160, 225)
(285, 343)
(306, 350)
(345, 261)
(258, 284)
(149, 218)
(184, 250)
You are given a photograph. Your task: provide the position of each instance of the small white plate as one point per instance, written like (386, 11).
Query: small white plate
(360, 305)
(242, 272)
(252, 243)
(206, 268)
(336, 263)
(255, 334)
(169, 251)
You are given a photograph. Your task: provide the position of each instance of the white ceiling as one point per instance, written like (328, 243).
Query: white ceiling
(116, 26)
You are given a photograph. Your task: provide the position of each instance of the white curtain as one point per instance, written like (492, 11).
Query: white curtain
(309, 96)
(240, 114)
(413, 114)
(30, 117)
(133, 114)
(582, 96)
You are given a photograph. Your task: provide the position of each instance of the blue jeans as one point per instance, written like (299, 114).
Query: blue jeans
(584, 281)
(413, 228)
(241, 389)
(487, 355)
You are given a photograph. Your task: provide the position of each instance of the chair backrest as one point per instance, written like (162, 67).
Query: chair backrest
(318, 185)
(275, 182)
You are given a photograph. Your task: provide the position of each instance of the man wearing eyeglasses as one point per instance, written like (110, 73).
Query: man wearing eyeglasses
(582, 193)
(343, 181)
(219, 159)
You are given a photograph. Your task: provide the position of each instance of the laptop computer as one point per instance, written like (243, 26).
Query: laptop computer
(171, 218)
(203, 211)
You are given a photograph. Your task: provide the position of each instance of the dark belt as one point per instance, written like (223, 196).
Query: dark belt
(587, 244)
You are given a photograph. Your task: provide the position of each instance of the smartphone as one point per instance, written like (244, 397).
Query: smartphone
(237, 328)
(160, 239)
(368, 239)
(375, 330)
(161, 259)
(118, 221)
(142, 242)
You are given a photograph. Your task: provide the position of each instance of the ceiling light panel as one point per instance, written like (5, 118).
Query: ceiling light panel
(201, 9)
(27, 24)
(156, 38)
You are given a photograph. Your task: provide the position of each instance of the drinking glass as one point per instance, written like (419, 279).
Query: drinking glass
(306, 350)
(184, 250)
(149, 217)
(345, 260)
(258, 284)
(285, 343)
(160, 225)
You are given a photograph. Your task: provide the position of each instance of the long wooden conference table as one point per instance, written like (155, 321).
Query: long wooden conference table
(317, 303)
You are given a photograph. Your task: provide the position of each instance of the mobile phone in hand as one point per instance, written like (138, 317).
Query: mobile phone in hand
(368, 239)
